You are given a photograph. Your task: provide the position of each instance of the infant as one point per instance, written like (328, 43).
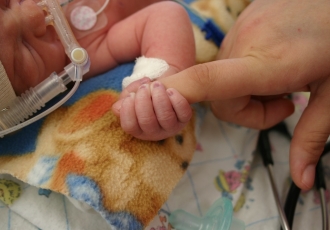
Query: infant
(121, 32)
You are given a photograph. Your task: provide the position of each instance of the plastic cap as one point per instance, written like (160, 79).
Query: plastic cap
(78, 55)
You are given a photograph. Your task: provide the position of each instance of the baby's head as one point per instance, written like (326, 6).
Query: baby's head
(29, 49)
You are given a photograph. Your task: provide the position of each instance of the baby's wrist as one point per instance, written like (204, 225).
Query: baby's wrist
(152, 68)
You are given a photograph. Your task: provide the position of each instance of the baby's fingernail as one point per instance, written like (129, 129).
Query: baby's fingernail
(117, 105)
(145, 80)
(143, 86)
(156, 84)
(169, 92)
(132, 95)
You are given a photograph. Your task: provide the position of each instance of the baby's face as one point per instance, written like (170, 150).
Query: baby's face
(29, 50)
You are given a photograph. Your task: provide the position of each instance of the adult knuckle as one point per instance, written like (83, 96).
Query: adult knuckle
(314, 148)
(201, 74)
(314, 143)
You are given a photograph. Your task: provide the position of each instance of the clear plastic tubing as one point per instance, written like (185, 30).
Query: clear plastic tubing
(29, 102)
(16, 115)
(34, 99)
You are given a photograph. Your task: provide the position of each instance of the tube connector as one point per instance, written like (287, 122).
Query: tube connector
(31, 101)
(24, 107)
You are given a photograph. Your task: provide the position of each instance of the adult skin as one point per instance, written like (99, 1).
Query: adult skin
(275, 48)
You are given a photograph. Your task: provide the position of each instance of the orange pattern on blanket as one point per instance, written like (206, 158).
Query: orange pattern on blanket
(69, 163)
(96, 109)
(90, 113)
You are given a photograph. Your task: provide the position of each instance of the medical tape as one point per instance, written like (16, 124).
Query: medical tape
(7, 93)
(146, 67)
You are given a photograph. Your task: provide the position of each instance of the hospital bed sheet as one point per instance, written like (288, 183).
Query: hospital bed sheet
(226, 164)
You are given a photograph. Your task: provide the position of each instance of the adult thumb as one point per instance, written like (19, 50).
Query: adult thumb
(309, 138)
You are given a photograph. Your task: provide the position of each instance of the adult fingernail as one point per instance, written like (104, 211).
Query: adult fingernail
(308, 176)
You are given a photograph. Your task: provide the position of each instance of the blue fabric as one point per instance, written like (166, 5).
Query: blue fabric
(212, 32)
(207, 25)
(25, 138)
(86, 190)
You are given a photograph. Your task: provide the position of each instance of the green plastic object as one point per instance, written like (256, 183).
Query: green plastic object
(218, 217)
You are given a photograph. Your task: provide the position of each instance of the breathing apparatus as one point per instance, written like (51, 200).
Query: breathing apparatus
(16, 112)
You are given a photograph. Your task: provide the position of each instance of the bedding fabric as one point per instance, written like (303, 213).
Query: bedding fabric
(79, 152)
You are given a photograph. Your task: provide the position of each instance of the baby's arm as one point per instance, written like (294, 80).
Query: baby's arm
(161, 31)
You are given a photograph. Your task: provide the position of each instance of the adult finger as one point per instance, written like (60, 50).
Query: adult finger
(309, 138)
(224, 79)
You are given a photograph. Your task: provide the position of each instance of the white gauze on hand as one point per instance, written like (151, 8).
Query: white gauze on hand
(146, 67)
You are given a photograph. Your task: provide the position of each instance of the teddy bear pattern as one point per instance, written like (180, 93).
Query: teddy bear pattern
(82, 152)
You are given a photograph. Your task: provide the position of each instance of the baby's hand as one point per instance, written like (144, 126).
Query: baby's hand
(151, 112)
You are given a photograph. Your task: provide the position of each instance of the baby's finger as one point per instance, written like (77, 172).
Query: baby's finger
(180, 105)
(144, 111)
(128, 119)
(117, 106)
(134, 86)
(131, 88)
(164, 111)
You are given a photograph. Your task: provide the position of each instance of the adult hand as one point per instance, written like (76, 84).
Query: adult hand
(276, 47)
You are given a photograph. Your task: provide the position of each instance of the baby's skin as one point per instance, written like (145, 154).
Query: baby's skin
(31, 51)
